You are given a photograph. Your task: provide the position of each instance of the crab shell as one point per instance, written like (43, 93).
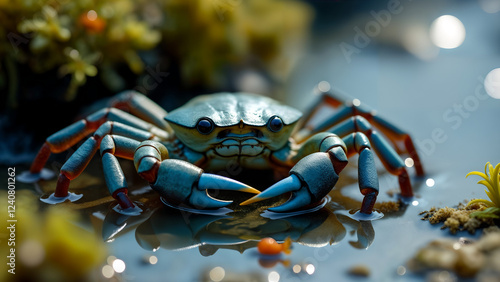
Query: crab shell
(240, 112)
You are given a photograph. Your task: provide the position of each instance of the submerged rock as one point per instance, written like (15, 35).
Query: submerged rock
(465, 257)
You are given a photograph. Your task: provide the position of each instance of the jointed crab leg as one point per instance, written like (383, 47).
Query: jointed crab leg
(112, 146)
(367, 173)
(351, 109)
(79, 160)
(142, 107)
(386, 152)
(69, 136)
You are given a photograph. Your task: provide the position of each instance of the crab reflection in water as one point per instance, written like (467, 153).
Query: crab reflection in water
(172, 229)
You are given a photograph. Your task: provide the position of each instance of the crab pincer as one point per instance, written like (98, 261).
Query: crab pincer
(311, 179)
(181, 182)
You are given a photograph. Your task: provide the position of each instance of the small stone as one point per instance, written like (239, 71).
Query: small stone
(359, 270)
(493, 261)
(470, 261)
(489, 242)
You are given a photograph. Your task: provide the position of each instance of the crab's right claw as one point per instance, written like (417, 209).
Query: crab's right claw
(310, 180)
(181, 182)
(300, 195)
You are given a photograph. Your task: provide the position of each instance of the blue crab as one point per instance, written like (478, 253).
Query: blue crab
(169, 150)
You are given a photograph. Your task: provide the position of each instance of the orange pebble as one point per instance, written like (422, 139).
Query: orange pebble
(269, 246)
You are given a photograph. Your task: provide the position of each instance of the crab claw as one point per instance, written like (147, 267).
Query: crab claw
(200, 197)
(310, 180)
(181, 182)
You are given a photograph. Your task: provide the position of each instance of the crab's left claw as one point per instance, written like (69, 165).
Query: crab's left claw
(310, 180)
(181, 182)
(201, 198)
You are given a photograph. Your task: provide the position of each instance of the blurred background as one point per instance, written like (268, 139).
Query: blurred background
(431, 67)
(60, 56)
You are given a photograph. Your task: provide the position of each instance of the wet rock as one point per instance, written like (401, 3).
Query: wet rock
(470, 261)
(489, 242)
(464, 257)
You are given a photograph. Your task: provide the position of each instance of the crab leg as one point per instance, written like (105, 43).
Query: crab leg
(79, 160)
(142, 107)
(350, 109)
(367, 173)
(182, 182)
(112, 146)
(386, 152)
(69, 136)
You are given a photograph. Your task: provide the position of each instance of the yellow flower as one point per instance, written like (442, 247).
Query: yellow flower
(79, 67)
(46, 29)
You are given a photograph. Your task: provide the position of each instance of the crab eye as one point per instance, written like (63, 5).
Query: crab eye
(275, 124)
(205, 126)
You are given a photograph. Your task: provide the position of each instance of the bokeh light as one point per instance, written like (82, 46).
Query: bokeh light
(31, 253)
(217, 274)
(92, 15)
(110, 260)
(153, 260)
(310, 269)
(447, 32)
(297, 268)
(492, 83)
(107, 271)
(273, 276)
(490, 6)
(401, 270)
(430, 182)
(119, 265)
(324, 86)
